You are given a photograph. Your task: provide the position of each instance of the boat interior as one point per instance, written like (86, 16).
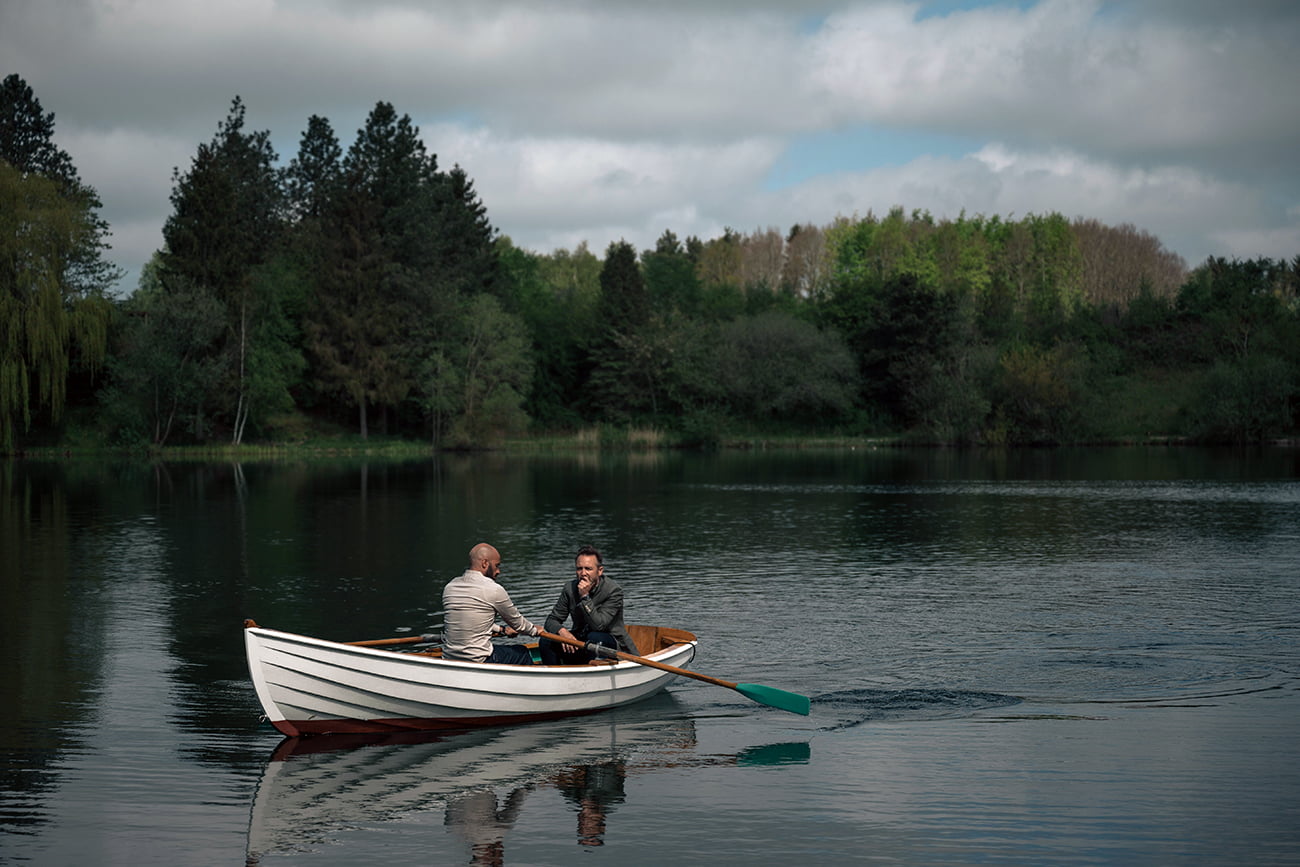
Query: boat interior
(648, 640)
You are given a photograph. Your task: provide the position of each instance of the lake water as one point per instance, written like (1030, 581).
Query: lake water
(1044, 657)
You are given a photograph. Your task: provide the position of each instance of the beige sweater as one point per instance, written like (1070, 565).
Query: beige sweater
(470, 605)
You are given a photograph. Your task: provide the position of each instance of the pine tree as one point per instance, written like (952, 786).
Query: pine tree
(226, 223)
(312, 179)
(367, 330)
(621, 385)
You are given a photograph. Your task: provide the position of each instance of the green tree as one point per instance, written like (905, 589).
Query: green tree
(402, 247)
(312, 179)
(1243, 322)
(372, 306)
(276, 364)
(1038, 396)
(54, 315)
(718, 267)
(467, 257)
(558, 297)
(555, 325)
(573, 277)
(1038, 273)
(670, 280)
(962, 256)
(473, 387)
(1148, 332)
(27, 144)
(946, 399)
(353, 333)
(774, 367)
(1245, 399)
(163, 367)
(1241, 306)
(622, 385)
(226, 223)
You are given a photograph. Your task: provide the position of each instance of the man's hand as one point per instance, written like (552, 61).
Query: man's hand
(565, 633)
(509, 630)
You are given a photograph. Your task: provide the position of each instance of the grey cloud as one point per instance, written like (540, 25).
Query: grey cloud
(692, 100)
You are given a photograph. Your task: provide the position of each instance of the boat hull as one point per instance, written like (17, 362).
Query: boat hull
(309, 686)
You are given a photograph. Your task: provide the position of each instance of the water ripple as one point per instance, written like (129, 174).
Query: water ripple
(858, 706)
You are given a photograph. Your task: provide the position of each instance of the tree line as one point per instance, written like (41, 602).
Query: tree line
(366, 289)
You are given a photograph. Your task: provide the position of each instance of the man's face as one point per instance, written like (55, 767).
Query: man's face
(587, 567)
(492, 568)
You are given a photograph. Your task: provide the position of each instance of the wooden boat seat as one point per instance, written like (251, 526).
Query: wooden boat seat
(651, 639)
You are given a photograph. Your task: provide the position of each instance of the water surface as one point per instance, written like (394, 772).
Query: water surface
(1040, 657)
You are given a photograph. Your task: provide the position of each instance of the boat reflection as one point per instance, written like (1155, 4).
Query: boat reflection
(313, 790)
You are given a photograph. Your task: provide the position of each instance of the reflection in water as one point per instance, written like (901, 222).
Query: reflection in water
(482, 823)
(315, 789)
(593, 790)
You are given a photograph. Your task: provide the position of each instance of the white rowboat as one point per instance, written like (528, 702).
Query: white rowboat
(310, 686)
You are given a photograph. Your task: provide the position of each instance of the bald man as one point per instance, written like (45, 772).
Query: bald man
(471, 604)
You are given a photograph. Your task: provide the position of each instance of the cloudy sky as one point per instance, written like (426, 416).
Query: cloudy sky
(595, 120)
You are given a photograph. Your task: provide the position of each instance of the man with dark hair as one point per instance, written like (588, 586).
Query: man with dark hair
(596, 605)
(471, 603)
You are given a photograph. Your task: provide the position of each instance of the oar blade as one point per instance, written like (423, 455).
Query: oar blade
(773, 697)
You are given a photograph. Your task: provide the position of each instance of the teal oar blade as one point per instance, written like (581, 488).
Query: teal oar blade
(779, 698)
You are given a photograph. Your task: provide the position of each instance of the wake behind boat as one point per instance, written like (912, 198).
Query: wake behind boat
(311, 686)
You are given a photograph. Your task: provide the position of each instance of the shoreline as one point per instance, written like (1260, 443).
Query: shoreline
(585, 443)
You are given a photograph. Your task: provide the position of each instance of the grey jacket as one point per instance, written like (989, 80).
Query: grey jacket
(602, 611)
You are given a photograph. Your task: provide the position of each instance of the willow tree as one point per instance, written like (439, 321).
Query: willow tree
(53, 312)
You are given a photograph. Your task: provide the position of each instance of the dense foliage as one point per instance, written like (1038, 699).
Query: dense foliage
(366, 289)
(54, 316)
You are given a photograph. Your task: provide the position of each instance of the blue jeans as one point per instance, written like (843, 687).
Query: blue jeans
(510, 654)
(553, 652)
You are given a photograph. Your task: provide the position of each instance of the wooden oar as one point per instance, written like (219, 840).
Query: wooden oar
(778, 698)
(380, 642)
(375, 642)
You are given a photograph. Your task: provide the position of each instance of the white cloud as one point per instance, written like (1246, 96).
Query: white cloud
(543, 190)
(1063, 72)
(131, 170)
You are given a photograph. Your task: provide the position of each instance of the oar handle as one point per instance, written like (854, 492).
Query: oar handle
(602, 650)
